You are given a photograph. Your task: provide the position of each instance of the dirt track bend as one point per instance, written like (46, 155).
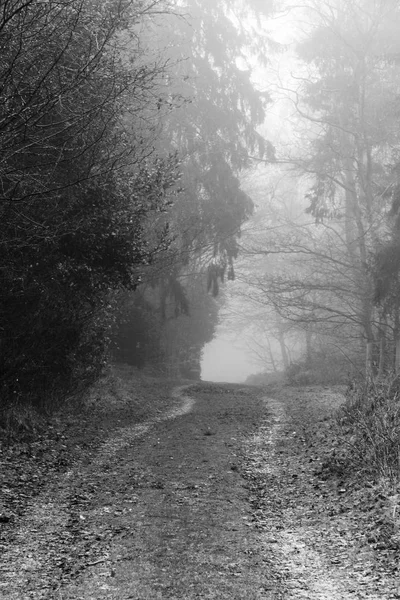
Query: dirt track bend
(199, 502)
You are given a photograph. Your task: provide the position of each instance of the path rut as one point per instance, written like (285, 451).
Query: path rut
(211, 499)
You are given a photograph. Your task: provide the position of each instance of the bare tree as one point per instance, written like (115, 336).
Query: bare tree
(344, 100)
(77, 187)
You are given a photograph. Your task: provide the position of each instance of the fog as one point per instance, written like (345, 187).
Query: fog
(222, 361)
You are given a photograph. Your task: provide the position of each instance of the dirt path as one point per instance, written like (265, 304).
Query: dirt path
(215, 498)
(185, 528)
(318, 540)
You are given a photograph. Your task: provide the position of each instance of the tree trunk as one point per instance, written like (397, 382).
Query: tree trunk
(271, 357)
(397, 342)
(369, 359)
(382, 346)
(285, 357)
(308, 346)
(397, 355)
(359, 258)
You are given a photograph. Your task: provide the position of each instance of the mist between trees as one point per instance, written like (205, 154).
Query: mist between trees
(129, 135)
(320, 259)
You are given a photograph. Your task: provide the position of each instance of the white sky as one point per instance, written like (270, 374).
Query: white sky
(222, 361)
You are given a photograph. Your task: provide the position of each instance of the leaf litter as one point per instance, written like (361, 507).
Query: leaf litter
(317, 521)
(217, 492)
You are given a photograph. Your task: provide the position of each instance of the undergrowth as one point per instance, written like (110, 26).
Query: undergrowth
(369, 427)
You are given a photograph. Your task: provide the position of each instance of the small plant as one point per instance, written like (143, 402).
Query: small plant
(18, 421)
(299, 374)
(322, 366)
(369, 423)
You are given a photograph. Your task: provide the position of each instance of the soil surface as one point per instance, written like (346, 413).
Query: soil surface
(212, 492)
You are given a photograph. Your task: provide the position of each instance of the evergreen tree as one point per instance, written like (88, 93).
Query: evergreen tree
(213, 129)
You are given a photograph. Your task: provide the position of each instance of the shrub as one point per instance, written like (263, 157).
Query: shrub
(299, 373)
(324, 366)
(81, 195)
(369, 423)
(273, 378)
